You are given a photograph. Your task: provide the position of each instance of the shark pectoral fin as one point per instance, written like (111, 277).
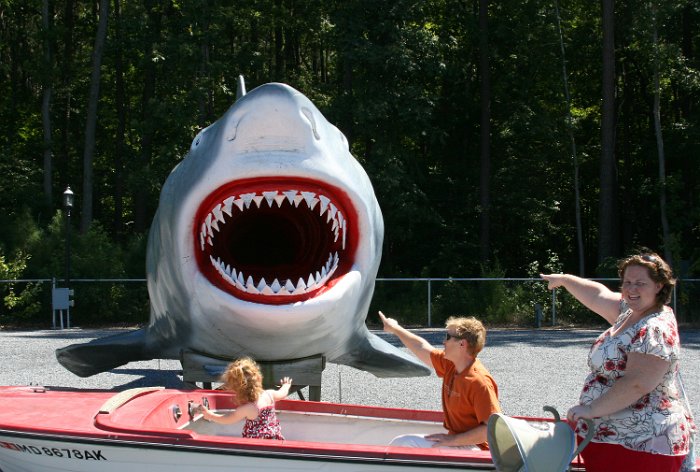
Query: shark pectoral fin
(103, 354)
(380, 358)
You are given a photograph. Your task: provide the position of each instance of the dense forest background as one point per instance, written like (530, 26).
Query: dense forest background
(503, 138)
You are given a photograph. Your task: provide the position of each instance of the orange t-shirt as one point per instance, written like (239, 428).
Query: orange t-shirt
(468, 398)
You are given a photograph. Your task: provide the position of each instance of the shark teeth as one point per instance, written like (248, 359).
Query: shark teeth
(317, 203)
(276, 287)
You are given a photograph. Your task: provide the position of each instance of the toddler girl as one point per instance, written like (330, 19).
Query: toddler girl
(256, 406)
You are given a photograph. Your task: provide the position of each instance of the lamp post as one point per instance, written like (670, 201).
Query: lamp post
(68, 205)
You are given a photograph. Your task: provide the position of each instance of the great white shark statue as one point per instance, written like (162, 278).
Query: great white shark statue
(266, 243)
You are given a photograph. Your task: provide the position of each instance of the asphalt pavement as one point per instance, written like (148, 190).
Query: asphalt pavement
(533, 368)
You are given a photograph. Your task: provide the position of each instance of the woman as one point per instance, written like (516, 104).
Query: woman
(633, 392)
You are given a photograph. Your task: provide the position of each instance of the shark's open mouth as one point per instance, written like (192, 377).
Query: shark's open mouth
(275, 240)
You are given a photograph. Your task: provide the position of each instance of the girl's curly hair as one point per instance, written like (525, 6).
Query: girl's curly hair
(243, 377)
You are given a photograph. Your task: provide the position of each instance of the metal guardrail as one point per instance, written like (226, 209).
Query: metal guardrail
(428, 280)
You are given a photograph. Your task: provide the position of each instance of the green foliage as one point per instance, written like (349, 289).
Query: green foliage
(402, 79)
(20, 301)
(566, 310)
(93, 255)
(404, 300)
(489, 298)
(504, 302)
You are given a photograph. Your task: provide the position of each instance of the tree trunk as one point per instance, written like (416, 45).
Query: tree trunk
(203, 80)
(46, 16)
(668, 243)
(346, 117)
(149, 86)
(119, 138)
(608, 237)
(570, 131)
(292, 59)
(64, 100)
(91, 121)
(687, 50)
(485, 132)
(689, 167)
(279, 43)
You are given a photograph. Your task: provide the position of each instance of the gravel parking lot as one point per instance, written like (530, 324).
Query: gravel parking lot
(532, 367)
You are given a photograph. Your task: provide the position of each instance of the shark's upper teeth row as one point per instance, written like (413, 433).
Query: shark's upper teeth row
(273, 197)
(234, 276)
(276, 287)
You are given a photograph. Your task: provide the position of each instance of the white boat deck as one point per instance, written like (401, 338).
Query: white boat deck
(327, 428)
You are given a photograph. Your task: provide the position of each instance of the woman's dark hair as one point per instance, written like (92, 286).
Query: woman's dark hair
(659, 271)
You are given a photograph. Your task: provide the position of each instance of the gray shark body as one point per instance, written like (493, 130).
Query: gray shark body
(266, 243)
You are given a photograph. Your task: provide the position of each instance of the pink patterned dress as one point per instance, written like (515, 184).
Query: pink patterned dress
(265, 425)
(658, 422)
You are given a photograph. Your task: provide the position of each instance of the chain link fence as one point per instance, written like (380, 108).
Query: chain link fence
(417, 302)
(517, 302)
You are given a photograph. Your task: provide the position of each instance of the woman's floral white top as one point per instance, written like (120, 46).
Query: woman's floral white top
(658, 422)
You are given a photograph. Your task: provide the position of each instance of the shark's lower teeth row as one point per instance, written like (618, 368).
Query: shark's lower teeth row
(276, 287)
(243, 202)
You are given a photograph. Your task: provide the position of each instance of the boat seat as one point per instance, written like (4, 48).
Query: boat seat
(305, 371)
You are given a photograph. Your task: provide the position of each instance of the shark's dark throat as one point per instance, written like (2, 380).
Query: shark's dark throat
(277, 242)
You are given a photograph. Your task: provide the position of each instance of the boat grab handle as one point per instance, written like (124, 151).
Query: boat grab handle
(589, 434)
(122, 397)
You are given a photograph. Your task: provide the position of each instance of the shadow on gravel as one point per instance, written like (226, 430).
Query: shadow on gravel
(546, 337)
(68, 333)
(149, 377)
(690, 339)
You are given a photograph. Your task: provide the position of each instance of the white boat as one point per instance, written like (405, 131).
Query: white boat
(153, 429)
